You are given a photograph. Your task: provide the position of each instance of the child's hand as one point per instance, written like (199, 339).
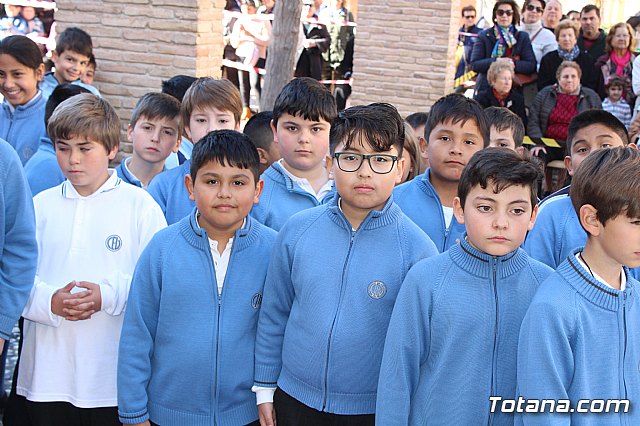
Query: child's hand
(146, 423)
(267, 414)
(59, 301)
(83, 307)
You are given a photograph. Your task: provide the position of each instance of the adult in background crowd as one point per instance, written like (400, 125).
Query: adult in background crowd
(634, 21)
(543, 40)
(468, 26)
(314, 40)
(574, 16)
(502, 42)
(566, 33)
(552, 14)
(229, 52)
(618, 60)
(592, 38)
(500, 76)
(338, 59)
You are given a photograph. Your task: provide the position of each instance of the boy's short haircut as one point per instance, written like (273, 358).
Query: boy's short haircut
(61, 93)
(177, 85)
(596, 116)
(75, 40)
(209, 92)
(502, 119)
(417, 119)
(379, 124)
(258, 128)
(307, 98)
(226, 147)
(153, 106)
(458, 109)
(502, 168)
(88, 116)
(609, 180)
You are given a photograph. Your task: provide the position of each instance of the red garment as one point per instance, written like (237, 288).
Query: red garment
(588, 42)
(499, 98)
(620, 62)
(566, 108)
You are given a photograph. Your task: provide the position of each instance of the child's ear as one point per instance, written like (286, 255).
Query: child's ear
(54, 56)
(259, 187)
(263, 155)
(458, 210)
(520, 151)
(40, 72)
(129, 132)
(329, 165)
(177, 147)
(534, 216)
(188, 183)
(632, 146)
(187, 133)
(589, 219)
(275, 133)
(568, 164)
(112, 153)
(400, 169)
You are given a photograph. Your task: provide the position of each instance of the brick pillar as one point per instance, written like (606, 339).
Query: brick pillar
(139, 43)
(404, 52)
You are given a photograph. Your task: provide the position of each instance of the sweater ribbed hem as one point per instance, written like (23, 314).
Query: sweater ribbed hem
(241, 415)
(336, 403)
(479, 263)
(133, 418)
(585, 284)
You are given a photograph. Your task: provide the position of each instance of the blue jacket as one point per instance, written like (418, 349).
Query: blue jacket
(419, 200)
(169, 191)
(522, 54)
(328, 299)
(50, 82)
(281, 198)
(24, 127)
(125, 175)
(18, 248)
(42, 170)
(581, 340)
(186, 354)
(453, 338)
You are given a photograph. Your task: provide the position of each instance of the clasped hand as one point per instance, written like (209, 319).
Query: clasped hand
(77, 306)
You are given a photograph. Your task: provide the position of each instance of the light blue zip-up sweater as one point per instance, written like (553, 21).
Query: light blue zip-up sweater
(50, 82)
(125, 175)
(581, 340)
(453, 338)
(328, 299)
(42, 170)
(18, 248)
(419, 200)
(187, 354)
(170, 193)
(281, 198)
(24, 126)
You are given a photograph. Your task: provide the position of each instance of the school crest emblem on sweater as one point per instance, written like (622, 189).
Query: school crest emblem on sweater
(376, 290)
(256, 301)
(113, 243)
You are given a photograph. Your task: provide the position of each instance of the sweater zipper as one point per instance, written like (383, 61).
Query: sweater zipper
(335, 316)
(495, 332)
(624, 349)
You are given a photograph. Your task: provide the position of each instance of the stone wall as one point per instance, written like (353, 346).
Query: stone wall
(404, 52)
(139, 43)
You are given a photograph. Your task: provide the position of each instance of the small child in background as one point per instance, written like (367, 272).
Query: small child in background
(70, 58)
(258, 128)
(302, 117)
(453, 335)
(418, 120)
(173, 377)
(33, 24)
(177, 86)
(506, 129)
(333, 279)
(615, 103)
(90, 72)
(208, 105)
(155, 131)
(42, 170)
(410, 154)
(12, 23)
(90, 231)
(580, 341)
(456, 129)
(22, 111)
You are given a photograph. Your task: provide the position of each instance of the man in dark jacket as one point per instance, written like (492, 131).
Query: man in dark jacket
(591, 39)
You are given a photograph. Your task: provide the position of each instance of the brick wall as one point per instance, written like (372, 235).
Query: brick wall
(139, 43)
(404, 52)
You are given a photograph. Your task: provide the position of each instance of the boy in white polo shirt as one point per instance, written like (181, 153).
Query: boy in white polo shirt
(90, 231)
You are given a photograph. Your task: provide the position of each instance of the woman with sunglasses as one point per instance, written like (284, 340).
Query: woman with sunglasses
(542, 40)
(502, 42)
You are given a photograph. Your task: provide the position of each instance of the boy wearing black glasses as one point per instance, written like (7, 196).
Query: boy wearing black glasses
(333, 279)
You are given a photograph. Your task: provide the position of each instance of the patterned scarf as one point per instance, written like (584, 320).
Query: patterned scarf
(505, 39)
(570, 55)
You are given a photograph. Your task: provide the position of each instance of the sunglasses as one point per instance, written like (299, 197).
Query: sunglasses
(532, 8)
(502, 12)
(469, 16)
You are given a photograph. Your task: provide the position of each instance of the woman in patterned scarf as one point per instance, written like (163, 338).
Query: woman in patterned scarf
(502, 42)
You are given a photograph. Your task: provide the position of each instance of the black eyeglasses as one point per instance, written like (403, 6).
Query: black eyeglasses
(532, 8)
(470, 17)
(379, 163)
(501, 12)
